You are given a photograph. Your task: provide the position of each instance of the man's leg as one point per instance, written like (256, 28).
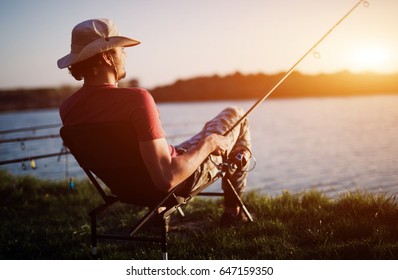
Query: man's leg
(239, 142)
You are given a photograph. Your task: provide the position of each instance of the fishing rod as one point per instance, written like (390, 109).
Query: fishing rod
(33, 128)
(18, 160)
(364, 2)
(24, 139)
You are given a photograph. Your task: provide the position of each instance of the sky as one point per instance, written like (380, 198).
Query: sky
(183, 39)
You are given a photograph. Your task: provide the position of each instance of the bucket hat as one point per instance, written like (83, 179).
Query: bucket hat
(92, 37)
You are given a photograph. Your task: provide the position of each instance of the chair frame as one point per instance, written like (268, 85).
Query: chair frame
(110, 199)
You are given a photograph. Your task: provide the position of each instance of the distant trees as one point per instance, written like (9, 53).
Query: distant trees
(238, 86)
(233, 86)
(39, 98)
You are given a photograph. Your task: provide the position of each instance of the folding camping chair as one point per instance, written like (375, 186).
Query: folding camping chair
(110, 152)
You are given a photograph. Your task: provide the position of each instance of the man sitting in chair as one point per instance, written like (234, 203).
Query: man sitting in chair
(97, 56)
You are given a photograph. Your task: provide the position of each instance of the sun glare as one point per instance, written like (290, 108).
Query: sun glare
(371, 59)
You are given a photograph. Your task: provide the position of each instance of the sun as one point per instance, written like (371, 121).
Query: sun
(371, 59)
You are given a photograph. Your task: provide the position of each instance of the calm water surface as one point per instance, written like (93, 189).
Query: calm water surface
(334, 144)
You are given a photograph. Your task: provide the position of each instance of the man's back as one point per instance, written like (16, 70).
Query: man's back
(109, 104)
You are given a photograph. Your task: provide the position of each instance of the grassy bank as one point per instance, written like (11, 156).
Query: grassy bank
(46, 220)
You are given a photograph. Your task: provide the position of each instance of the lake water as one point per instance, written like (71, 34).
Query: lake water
(333, 144)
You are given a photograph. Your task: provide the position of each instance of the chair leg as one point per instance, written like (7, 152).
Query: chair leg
(164, 239)
(93, 235)
(240, 202)
(93, 215)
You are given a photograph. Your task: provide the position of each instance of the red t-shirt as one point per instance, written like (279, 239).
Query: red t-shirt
(108, 103)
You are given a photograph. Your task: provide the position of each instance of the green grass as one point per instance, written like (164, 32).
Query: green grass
(46, 220)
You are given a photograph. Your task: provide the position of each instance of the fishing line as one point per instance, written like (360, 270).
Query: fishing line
(316, 55)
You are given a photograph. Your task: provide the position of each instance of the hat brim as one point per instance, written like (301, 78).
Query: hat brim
(98, 46)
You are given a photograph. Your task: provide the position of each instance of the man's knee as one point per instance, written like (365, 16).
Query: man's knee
(234, 111)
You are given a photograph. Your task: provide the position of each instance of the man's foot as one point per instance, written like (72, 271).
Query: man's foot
(233, 219)
(157, 222)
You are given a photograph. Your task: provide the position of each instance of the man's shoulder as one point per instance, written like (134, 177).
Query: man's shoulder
(140, 95)
(136, 92)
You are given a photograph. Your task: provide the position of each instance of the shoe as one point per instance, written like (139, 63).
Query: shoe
(229, 219)
(156, 223)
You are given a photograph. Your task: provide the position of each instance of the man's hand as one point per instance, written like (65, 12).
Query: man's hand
(219, 143)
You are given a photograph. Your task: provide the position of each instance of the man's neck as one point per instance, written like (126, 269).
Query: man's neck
(101, 79)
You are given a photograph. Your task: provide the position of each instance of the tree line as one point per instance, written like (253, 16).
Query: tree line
(233, 86)
(254, 86)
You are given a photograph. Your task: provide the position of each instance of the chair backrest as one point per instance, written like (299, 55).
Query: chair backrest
(111, 152)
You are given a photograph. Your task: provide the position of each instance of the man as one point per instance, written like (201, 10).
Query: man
(97, 56)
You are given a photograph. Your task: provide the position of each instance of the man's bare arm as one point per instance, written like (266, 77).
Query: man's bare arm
(167, 172)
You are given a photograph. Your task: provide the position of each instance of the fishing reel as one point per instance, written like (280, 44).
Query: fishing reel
(241, 161)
